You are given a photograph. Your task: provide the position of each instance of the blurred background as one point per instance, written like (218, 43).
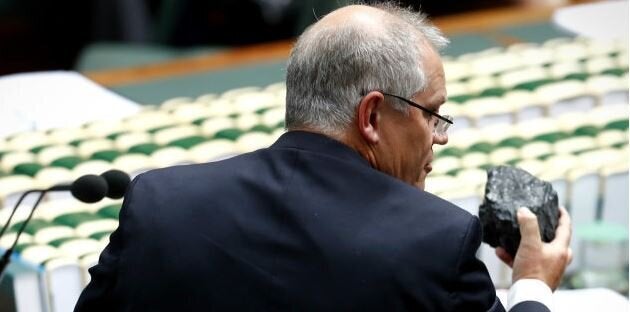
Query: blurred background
(88, 86)
(41, 35)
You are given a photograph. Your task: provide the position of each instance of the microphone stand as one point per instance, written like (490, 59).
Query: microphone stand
(6, 226)
(6, 258)
(80, 184)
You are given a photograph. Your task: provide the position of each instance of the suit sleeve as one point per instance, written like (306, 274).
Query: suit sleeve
(98, 294)
(529, 306)
(473, 289)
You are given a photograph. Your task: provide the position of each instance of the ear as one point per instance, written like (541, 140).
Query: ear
(369, 116)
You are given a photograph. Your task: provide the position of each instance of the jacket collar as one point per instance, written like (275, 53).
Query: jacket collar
(318, 143)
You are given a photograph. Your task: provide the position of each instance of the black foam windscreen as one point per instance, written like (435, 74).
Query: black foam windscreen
(89, 188)
(117, 182)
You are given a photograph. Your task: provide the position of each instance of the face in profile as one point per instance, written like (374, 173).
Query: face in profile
(420, 130)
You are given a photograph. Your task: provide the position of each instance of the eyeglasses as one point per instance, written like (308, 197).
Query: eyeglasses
(442, 123)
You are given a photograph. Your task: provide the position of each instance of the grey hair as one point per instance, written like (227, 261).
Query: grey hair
(332, 67)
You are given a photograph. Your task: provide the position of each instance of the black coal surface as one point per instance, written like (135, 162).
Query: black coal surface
(507, 189)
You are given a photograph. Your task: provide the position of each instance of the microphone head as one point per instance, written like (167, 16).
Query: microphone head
(117, 182)
(89, 188)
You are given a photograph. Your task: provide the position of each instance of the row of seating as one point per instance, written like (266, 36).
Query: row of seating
(26, 175)
(595, 56)
(494, 145)
(537, 139)
(538, 98)
(562, 151)
(59, 221)
(160, 125)
(526, 87)
(529, 78)
(64, 235)
(154, 129)
(549, 100)
(165, 128)
(147, 143)
(480, 96)
(567, 167)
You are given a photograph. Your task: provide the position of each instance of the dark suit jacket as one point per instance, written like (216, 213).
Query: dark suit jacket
(305, 225)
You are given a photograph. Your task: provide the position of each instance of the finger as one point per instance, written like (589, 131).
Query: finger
(504, 256)
(528, 224)
(563, 231)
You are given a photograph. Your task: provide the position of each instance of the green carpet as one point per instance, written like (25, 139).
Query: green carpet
(156, 91)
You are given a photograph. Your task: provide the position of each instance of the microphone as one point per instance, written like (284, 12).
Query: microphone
(89, 188)
(92, 188)
(117, 183)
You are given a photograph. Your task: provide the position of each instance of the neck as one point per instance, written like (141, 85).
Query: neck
(352, 140)
(357, 143)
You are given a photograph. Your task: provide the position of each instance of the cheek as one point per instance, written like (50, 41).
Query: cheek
(428, 149)
(419, 138)
(420, 146)
(425, 140)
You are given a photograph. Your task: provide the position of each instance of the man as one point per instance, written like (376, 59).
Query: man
(332, 216)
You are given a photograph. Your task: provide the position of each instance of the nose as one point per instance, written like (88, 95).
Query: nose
(440, 139)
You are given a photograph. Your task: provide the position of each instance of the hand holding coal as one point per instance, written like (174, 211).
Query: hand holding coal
(508, 189)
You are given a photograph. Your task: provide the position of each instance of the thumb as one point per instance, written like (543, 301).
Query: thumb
(528, 224)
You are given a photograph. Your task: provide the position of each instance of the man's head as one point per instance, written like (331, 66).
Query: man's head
(340, 71)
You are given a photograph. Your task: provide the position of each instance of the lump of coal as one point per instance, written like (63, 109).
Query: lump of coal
(508, 189)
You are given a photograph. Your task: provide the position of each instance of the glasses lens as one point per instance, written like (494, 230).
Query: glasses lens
(442, 126)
